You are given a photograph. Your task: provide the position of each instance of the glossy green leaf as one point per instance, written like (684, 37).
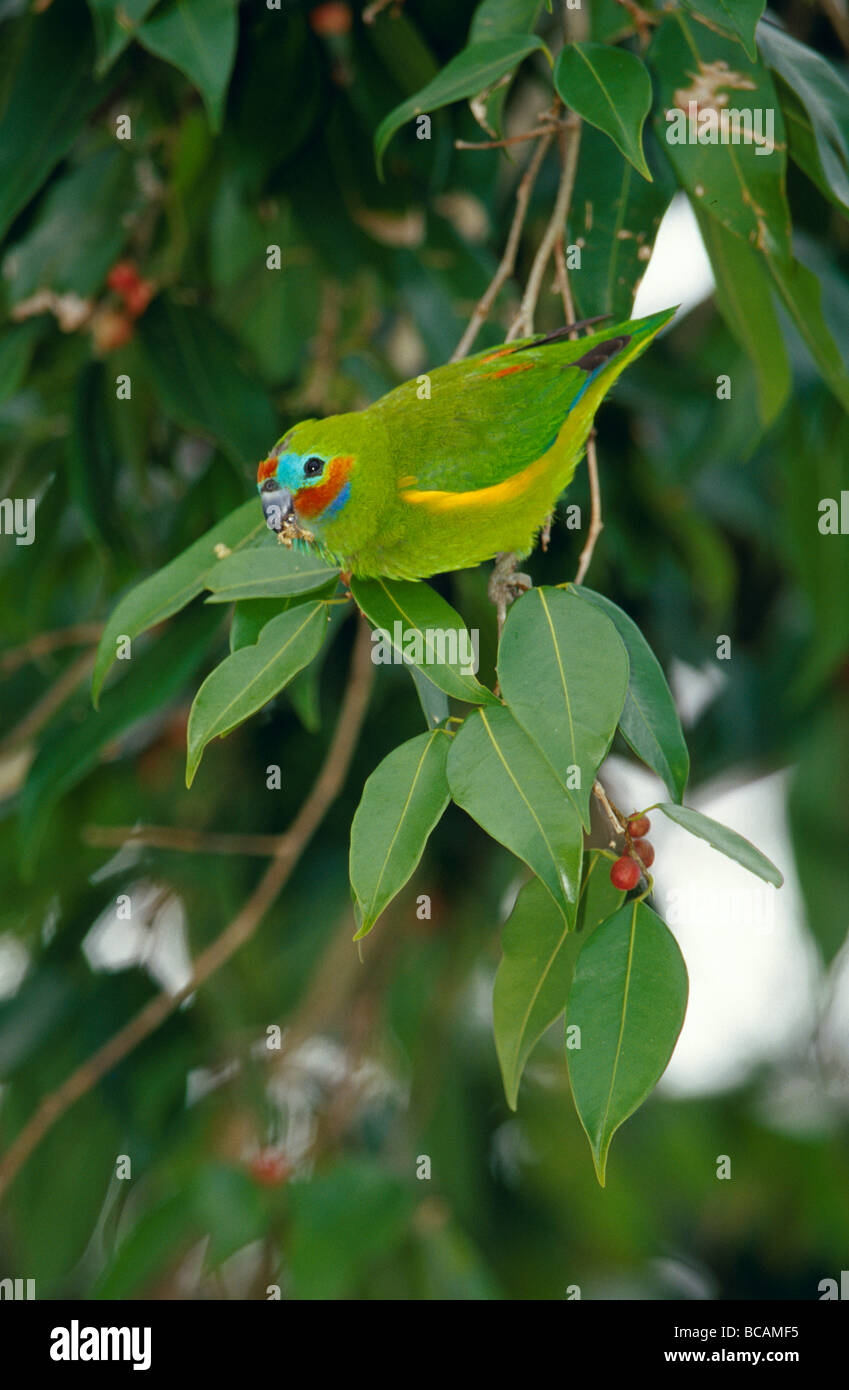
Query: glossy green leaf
(72, 749)
(563, 672)
(251, 615)
(727, 841)
(818, 122)
(116, 23)
(470, 72)
(500, 778)
(736, 17)
(744, 295)
(498, 19)
(172, 587)
(51, 95)
(194, 365)
(649, 721)
(611, 89)
(200, 41)
(802, 295)
(434, 702)
(628, 998)
(250, 677)
(741, 184)
(420, 628)
(267, 571)
(615, 218)
(402, 801)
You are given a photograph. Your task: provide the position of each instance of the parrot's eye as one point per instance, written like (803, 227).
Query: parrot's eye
(270, 485)
(313, 467)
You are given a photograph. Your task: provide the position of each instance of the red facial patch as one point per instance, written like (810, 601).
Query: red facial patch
(508, 371)
(267, 469)
(312, 501)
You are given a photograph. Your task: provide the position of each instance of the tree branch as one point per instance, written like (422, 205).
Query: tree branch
(291, 845)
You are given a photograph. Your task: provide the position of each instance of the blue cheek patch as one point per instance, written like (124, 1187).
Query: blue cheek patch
(338, 502)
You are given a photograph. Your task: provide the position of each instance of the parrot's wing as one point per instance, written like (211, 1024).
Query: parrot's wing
(482, 421)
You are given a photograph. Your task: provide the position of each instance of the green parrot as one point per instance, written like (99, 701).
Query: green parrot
(451, 469)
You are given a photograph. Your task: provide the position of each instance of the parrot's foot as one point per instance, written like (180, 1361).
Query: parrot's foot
(505, 584)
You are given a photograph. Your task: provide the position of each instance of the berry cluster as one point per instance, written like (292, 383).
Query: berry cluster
(114, 327)
(639, 854)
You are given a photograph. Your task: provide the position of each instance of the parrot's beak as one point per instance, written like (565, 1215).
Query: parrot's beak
(277, 507)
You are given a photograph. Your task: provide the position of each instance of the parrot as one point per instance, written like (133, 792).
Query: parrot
(461, 465)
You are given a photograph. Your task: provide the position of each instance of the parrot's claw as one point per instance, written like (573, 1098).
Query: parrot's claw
(506, 584)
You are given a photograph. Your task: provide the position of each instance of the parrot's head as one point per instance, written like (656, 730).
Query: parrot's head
(307, 476)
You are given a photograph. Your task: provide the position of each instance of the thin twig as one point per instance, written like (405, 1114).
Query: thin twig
(184, 841)
(614, 815)
(549, 128)
(79, 635)
(52, 700)
(569, 138)
(240, 929)
(596, 524)
(508, 260)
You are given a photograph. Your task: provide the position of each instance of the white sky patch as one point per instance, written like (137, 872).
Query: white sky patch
(754, 970)
(679, 270)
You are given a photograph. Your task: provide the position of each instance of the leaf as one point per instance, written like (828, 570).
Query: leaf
(344, 1219)
(628, 998)
(201, 42)
(250, 677)
(93, 458)
(72, 749)
(727, 841)
(498, 19)
(739, 18)
(251, 615)
(742, 184)
(599, 899)
(434, 702)
(649, 721)
(115, 25)
(615, 218)
(611, 89)
(402, 801)
(193, 364)
(172, 587)
(267, 572)
(423, 630)
(802, 295)
(818, 812)
(499, 777)
(563, 672)
(743, 294)
(818, 123)
(532, 982)
(470, 72)
(51, 95)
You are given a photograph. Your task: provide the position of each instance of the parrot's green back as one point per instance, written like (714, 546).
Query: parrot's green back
(459, 465)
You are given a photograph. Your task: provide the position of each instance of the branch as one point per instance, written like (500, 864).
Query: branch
(52, 700)
(292, 843)
(508, 260)
(569, 138)
(596, 524)
(185, 841)
(79, 635)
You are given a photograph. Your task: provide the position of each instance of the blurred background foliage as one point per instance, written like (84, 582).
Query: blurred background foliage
(253, 1167)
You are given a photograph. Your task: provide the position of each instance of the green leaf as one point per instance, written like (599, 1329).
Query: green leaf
(649, 721)
(170, 589)
(739, 18)
(17, 345)
(250, 677)
(802, 295)
(628, 998)
(93, 456)
(818, 812)
(434, 702)
(344, 1219)
(193, 364)
(563, 672)
(500, 778)
(115, 25)
(727, 841)
(402, 801)
(818, 123)
(73, 749)
(740, 184)
(268, 571)
(201, 42)
(615, 218)
(251, 615)
(499, 19)
(743, 294)
(599, 899)
(611, 89)
(470, 72)
(51, 95)
(422, 629)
